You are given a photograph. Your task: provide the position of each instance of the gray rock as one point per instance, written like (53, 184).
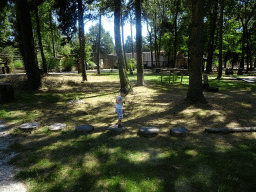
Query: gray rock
(179, 131)
(29, 126)
(149, 131)
(57, 126)
(85, 128)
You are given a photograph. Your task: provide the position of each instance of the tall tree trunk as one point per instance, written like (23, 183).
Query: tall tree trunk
(40, 41)
(195, 89)
(27, 46)
(213, 19)
(151, 47)
(132, 39)
(175, 32)
(247, 51)
(220, 41)
(117, 19)
(81, 38)
(140, 73)
(98, 46)
(122, 24)
(52, 34)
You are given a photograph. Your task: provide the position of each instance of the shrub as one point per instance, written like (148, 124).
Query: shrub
(92, 65)
(67, 63)
(18, 64)
(52, 63)
(131, 63)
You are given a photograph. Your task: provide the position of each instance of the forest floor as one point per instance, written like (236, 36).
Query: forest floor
(66, 160)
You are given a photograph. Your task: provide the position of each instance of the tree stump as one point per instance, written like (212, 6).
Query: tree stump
(179, 131)
(149, 131)
(85, 128)
(115, 130)
(6, 92)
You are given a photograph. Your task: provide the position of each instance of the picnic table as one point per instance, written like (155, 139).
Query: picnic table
(172, 71)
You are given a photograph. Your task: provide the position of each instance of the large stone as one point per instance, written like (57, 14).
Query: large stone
(57, 126)
(115, 129)
(148, 131)
(179, 131)
(28, 127)
(85, 128)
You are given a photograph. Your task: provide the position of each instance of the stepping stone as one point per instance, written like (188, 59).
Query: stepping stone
(28, 127)
(179, 131)
(148, 131)
(85, 128)
(57, 126)
(115, 129)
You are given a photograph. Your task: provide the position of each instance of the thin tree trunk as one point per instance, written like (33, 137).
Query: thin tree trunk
(140, 72)
(220, 41)
(151, 50)
(213, 19)
(175, 32)
(27, 46)
(122, 24)
(40, 40)
(132, 39)
(247, 51)
(81, 38)
(53, 40)
(195, 89)
(117, 19)
(98, 46)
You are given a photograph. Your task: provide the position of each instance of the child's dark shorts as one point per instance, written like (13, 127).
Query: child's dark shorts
(119, 114)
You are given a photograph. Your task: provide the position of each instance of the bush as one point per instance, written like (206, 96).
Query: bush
(67, 63)
(92, 65)
(131, 63)
(52, 63)
(18, 64)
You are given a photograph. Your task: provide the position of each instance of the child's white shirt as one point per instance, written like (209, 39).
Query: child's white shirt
(119, 105)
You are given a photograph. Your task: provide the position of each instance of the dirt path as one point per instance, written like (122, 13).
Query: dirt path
(8, 183)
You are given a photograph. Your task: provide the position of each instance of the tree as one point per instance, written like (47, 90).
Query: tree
(106, 41)
(81, 38)
(27, 44)
(195, 90)
(40, 39)
(213, 18)
(124, 82)
(140, 73)
(220, 40)
(68, 17)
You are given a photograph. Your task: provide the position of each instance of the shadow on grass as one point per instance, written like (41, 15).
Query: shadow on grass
(103, 163)
(72, 161)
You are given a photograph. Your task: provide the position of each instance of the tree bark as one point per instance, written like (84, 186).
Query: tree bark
(140, 73)
(195, 89)
(40, 40)
(52, 33)
(27, 46)
(98, 46)
(81, 38)
(220, 41)
(213, 19)
(117, 19)
(122, 25)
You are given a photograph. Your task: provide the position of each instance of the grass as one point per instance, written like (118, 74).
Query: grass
(70, 161)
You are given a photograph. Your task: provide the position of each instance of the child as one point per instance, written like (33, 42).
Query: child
(119, 106)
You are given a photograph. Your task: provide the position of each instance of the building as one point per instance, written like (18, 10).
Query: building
(108, 61)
